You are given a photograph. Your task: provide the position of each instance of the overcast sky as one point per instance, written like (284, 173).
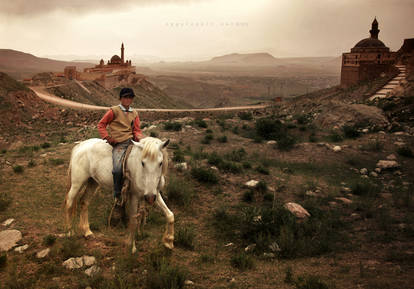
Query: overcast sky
(200, 29)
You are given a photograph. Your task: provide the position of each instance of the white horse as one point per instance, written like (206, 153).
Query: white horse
(91, 167)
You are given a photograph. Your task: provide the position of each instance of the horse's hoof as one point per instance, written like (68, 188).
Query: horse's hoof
(169, 245)
(89, 236)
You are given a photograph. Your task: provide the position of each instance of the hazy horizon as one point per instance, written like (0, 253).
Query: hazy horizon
(195, 30)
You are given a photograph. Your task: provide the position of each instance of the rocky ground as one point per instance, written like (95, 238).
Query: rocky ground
(313, 193)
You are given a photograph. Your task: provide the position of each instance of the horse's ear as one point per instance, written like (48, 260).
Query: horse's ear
(138, 144)
(164, 144)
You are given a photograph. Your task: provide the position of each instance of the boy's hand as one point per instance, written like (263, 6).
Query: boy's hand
(111, 141)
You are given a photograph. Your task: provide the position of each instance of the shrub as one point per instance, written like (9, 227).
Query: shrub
(245, 115)
(204, 175)
(405, 151)
(335, 137)
(222, 139)
(231, 167)
(263, 170)
(179, 191)
(153, 134)
(5, 201)
(3, 260)
(172, 126)
(49, 240)
(185, 237)
(18, 169)
(302, 118)
(268, 128)
(56, 162)
(312, 137)
(45, 145)
(286, 143)
(261, 187)
(207, 139)
(31, 163)
(163, 275)
(351, 131)
(248, 196)
(310, 282)
(201, 123)
(70, 247)
(235, 130)
(242, 261)
(236, 155)
(364, 188)
(247, 165)
(178, 156)
(214, 159)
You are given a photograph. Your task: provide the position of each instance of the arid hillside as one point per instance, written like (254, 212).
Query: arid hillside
(313, 192)
(20, 65)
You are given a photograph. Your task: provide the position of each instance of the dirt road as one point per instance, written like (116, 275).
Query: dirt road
(43, 94)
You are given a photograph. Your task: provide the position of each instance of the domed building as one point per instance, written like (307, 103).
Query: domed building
(368, 59)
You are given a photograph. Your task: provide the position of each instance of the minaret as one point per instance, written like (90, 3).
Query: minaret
(374, 29)
(122, 53)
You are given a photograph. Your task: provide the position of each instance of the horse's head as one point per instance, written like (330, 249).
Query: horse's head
(151, 167)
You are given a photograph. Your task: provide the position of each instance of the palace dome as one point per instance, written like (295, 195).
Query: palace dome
(370, 42)
(116, 59)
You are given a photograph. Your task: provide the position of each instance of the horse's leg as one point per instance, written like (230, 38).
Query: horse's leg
(132, 207)
(168, 238)
(70, 204)
(91, 188)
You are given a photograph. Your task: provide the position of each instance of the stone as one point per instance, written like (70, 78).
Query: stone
(332, 204)
(297, 210)
(250, 248)
(9, 239)
(387, 165)
(272, 142)
(377, 170)
(365, 130)
(311, 194)
(73, 263)
(391, 157)
(251, 183)
(363, 171)
(91, 271)
(344, 200)
(89, 260)
(268, 255)
(336, 148)
(228, 245)
(188, 282)
(233, 280)
(8, 222)
(21, 249)
(43, 253)
(214, 168)
(345, 190)
(364, 176)
(274, 247)
(181, 166)
(373, 174)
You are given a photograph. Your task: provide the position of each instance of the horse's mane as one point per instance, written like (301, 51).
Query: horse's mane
(151, 149)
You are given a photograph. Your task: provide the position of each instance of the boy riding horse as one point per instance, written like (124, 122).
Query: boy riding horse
(124, 126)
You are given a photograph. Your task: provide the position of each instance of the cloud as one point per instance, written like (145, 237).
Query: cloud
(39, 7)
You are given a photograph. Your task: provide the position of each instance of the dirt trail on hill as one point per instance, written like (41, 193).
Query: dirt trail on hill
(43, 94)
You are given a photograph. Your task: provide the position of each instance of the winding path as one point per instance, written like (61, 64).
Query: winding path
(43, 94)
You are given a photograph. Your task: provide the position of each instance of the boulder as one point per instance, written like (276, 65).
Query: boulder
(92, 270)
(387, 164)
(297, 210)
(43, 253)
(79, 262)
(9, 239)
(272, 142)
(21, 249)
(363, 171)
(8, 222)
(336, 149)
(251, 183)
(181, 166)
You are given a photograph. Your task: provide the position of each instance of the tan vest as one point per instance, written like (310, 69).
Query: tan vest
(122, 124)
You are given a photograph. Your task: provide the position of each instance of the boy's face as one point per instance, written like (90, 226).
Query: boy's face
(126, 101)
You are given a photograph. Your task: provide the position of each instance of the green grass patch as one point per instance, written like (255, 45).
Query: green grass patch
(185, 237)
(202, 175)
(242, 261)
(172, 126)
(180, 191)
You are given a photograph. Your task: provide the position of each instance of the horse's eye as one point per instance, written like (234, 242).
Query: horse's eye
(142, 163)
(160, 163)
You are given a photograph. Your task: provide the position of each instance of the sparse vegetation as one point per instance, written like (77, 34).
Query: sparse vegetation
(202, 175)
(351, 131)
(185, 237)
(18, 169)
(201, 123)
(5, 200)
(172, 126)
(242, 261)
(179, 191)
(245, 115)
